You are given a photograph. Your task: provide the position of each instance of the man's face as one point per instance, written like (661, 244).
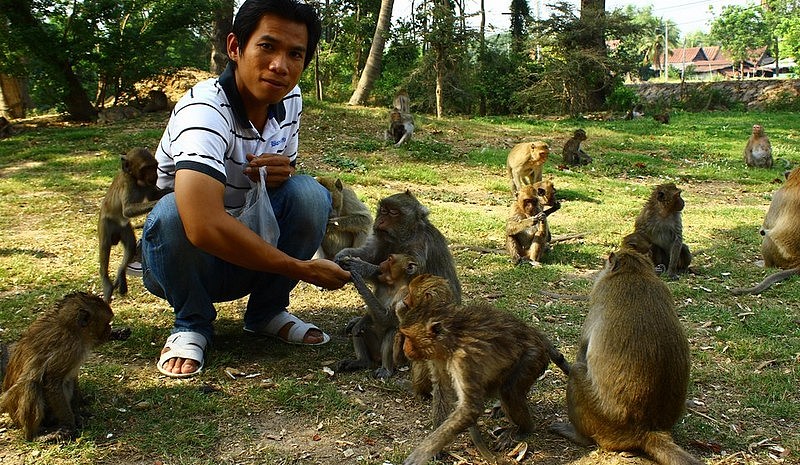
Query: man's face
(270, 64)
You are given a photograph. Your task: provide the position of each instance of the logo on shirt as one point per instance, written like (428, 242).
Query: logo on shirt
(275, 143)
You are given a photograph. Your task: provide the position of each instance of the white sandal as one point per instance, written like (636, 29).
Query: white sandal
(186, 344)
(297, 332)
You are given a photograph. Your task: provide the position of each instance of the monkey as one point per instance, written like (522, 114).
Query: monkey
(402, 227)
(572, 152)
(156, 101)
(660, 223)
(473, 351)
(118, 113)
(401, 127)
(6, 128)
(40, 386)
(627, 387)
(374, 333)
(350, 221)
(525, 162)
(758, 151)
(402, 101)
(527, 232)
(780, 231)
(132, 193)
(546, 193)
(636, 112)
(662, 118)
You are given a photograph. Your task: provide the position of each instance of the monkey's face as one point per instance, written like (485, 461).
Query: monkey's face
(398, 217)
(669, 197)
(396, 269)
(428, 300)
(758, 131)
(580, 134)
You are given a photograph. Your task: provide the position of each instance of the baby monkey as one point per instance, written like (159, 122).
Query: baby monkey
(473, 351)
(374, 333)
(40, 389)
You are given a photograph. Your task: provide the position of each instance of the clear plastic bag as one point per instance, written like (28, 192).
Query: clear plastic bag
(257, 211)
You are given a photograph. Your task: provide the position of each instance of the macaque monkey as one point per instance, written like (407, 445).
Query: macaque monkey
(401, 127)
(758, 151)
(660, 223)
(6, 128)
(662, 118)
(156, 101)
(636, 112)
(627, 388)
(780, 243)
(473, 352)
(402, 227)
(374, 333)
(527, 232)
(132, 193)
(350, 220)
(402, 101)
(572, 152)
(525, 162)
(40, 388)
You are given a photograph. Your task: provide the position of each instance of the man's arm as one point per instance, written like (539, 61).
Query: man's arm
(199, 198)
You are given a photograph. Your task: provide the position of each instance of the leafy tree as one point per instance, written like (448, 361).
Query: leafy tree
(520, 17)
(739, 30)
(648, 36)
(79, 48)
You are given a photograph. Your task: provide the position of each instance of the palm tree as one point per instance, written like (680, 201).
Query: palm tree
(373, 66)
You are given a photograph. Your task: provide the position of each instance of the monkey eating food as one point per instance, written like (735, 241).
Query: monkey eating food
(473, 352)
(40, 389)
(132, 193)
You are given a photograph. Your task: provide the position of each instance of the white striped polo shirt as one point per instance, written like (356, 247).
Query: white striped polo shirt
(208, 131)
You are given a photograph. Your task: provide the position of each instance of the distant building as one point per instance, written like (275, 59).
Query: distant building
(705, 63)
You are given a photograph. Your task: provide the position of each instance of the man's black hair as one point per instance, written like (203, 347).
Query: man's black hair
(251, 11)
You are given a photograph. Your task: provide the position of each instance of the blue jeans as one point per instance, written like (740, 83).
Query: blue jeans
(192, 280)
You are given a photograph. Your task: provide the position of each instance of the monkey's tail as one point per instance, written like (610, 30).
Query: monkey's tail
(767, 282)
(558, 358)
(660, 446)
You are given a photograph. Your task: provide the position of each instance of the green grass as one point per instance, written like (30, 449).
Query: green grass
(745, 350)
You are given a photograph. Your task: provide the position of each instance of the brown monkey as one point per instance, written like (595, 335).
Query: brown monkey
(546, 192)
(473, 352)
(525, 162)
(662, 118)
(627, 387)
(350, 220)
(40, 386)
(780, 244)
(660, 223)
(374, 333)
(401, 127)
(6, 128)
(156, 101)
(758, 151)
(132, 193)
(526, 228)
(572, 152)
(402, 227)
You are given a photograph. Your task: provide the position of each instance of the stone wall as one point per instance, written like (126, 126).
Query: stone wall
(756, 94)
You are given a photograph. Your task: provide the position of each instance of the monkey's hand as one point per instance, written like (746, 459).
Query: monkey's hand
(382, 373)
(358, 266)
(539, 217)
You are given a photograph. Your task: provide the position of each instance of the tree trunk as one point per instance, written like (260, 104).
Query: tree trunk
(373, 66)
(14, 95)
(482, 60)
(52, 51)
(220, 28)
